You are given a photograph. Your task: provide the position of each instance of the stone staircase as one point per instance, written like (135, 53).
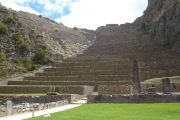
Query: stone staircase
(79, 73)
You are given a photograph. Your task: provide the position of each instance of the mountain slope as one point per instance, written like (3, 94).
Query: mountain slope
(27, 40)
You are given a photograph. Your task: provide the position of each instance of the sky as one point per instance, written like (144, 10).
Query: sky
(88, 14)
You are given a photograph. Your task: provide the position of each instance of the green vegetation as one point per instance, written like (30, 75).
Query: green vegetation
(20, 42)
(174, 79)
(29, 65)
(3, 28)
(41, 55)
(118, 112)
(2, 57)
(10, 20)
(17, 95)
(56, 30)
(19, 38)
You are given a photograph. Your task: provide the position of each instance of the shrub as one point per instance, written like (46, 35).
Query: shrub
(10, 20)
(41, 55)
(56, 30)
(2, 57)
(3, 28)
(28, 64)
(23, 48)
(19, 39)
(20, 43)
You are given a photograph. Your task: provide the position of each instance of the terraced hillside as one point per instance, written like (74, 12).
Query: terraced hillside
(107, 62)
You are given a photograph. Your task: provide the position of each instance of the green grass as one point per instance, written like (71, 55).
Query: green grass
(173, 79)
(118, 112)
(18, 95)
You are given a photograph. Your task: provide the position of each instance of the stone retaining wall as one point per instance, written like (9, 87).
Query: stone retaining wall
(175, 87)
(133, 98)
(114, 89)
(35, 99)
(41, 89)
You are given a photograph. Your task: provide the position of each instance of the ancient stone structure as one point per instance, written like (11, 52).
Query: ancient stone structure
(153, 98)
(121, 56)
(135, 80)
(166, 86)
(9, 107)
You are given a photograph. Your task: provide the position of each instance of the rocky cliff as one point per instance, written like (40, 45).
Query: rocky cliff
(162, 21)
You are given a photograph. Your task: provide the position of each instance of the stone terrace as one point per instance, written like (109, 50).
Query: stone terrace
(110, 61)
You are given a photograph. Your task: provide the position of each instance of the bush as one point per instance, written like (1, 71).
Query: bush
(19, 39)
(3, 28)
(2, 57)
(28, 64)
(23, 48)
(41, 55)
(20, 43)
(10, 20)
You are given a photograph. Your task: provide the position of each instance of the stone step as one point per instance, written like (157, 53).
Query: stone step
(80, 73)
(61, 73)
(159, 68)
(99, 63)
(79, 78)
(68, 83)
(30, 89)
(120, 59)
(77, 68)
(158, 73)
(86, 56)
(97, 66)
(89, 68)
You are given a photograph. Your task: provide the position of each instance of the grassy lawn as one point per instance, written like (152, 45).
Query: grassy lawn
(119, 112)
(18, 95)
(174, 79)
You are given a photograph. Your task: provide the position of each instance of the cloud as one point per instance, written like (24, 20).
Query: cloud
(13, 4)
(48, 8)
(82, 13)
(93, 13)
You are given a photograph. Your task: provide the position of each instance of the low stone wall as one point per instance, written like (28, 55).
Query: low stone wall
(41, 89)
(27, 107)
(41, 99)
(175, 87)
(133, 98)
(23, 89)
(23, 104)
(35, 99)
(70, 90)
(114, 89)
